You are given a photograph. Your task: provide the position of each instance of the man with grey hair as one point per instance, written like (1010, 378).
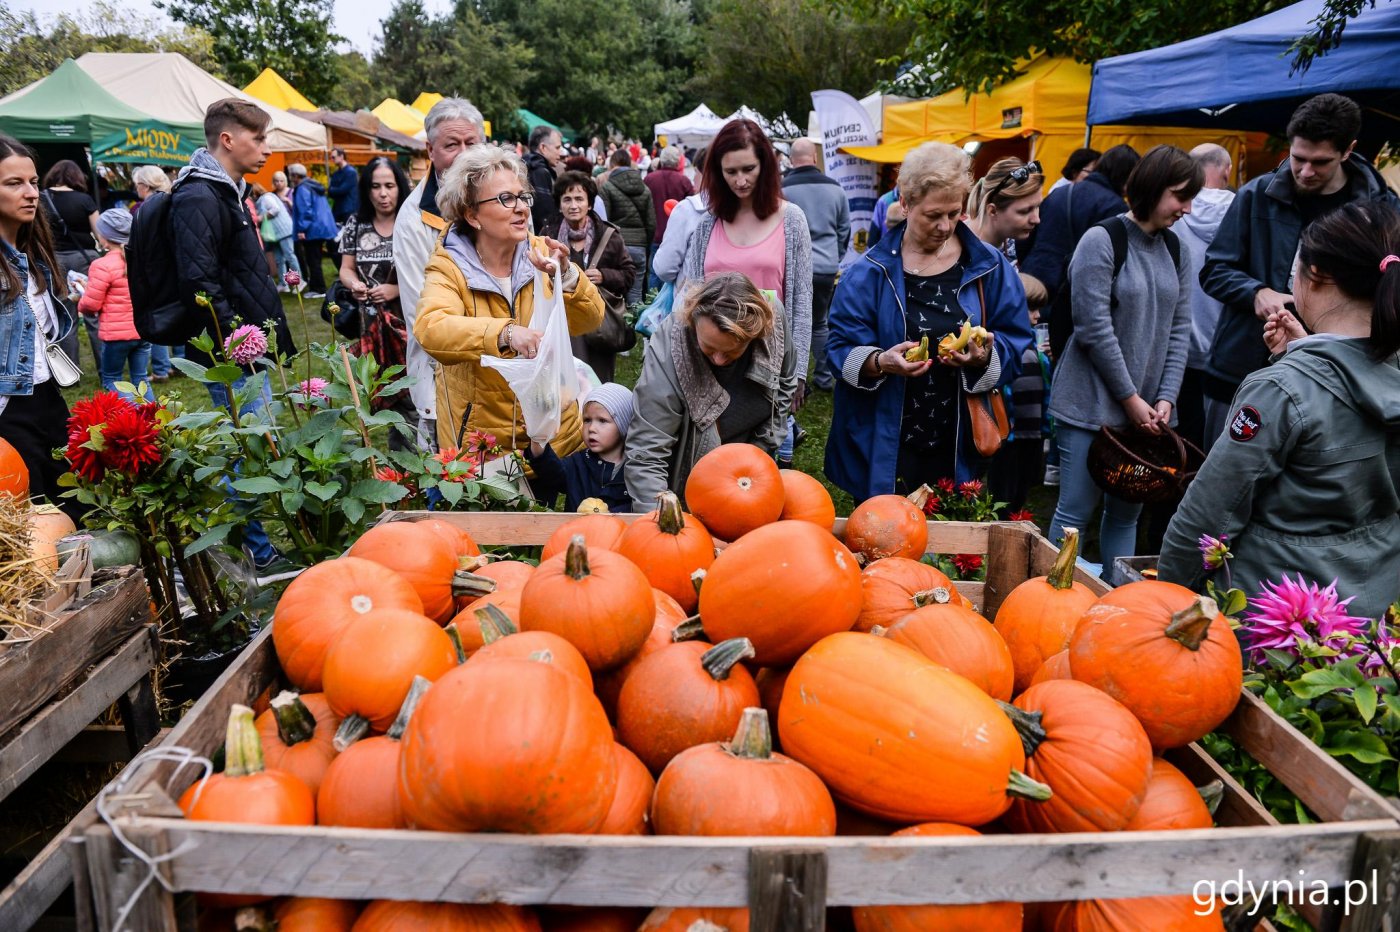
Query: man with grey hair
(829, 220)
(452, 125)
(544, 163)
(666, 182)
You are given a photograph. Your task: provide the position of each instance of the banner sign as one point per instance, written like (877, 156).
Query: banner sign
(147, 143)
(844, 122)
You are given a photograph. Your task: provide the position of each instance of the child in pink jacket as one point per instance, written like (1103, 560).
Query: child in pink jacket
(109, 297)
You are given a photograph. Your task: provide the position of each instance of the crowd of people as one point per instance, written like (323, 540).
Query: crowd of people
(1139, 293)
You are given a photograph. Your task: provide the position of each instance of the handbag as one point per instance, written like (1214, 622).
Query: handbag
(346, 320)
(987, 410)
(613, 335)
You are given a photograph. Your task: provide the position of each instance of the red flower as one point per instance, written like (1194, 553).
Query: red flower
(130, 439)
(932, 505)
(945, 485)
(457, 465)
(480, 441)
(970, 490)
(389, 474)
(968, 563)
(1024, 514)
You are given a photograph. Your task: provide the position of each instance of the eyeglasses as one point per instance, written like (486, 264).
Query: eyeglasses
(508, 200)
(1018, 176)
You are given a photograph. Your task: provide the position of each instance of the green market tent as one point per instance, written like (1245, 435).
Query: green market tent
(531, 120)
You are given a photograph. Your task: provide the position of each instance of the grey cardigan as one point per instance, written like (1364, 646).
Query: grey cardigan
(797, 273)
(1138, 347)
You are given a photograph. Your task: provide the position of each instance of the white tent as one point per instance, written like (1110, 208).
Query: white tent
(748, 113)
(172, 88)
(699, 125)
(874, 105)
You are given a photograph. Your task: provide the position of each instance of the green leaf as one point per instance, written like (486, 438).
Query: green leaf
(378, 491)
(227, 373)
(292, 501)
(327, 446)
(257, 485)
(282, 468)
(209, 538)
(353, 509)
(1235, 602)
(1365, 698)
(192, 369)
(1279, 659)
(1364, 746)
(1324, 680)
(451, 491)
(325, 491)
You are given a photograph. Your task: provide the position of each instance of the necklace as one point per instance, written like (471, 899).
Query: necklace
(919, 271)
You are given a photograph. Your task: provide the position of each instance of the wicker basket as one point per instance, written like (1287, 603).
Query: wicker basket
(1143, 468)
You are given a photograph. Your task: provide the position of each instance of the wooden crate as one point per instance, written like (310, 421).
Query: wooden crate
(787, 883)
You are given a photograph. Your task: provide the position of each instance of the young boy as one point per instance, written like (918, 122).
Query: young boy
(596, 470)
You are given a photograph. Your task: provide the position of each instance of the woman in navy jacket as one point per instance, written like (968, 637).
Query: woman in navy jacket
(897, 424)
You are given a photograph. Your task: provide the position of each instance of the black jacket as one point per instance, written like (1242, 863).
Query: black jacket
(578, 476)
(217, 252)
(1254, 249)
(1065, 216)
(542, 178)
(630, 207)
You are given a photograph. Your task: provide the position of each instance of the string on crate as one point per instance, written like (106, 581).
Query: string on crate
(114, 792)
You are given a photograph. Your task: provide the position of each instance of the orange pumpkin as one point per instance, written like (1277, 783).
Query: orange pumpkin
(683, 695)
(959, 639)
(504, 600)
(669, 546)
(596, 600)
(297, 735)
(687, 918)
(1056, 667)
(980, 917)
(733, 489)
(361, 786)
(629, 813)
(248, 793)
(424, 557)
(14, 475)
(806, 499)
(318, 605)
(600, 532)
(1038, 617)
(460, 541)
(500, 640)
(538, 757)
(47, 526)
(1166, 654)
(371, 666)
(897, 736)
(770, 682)
(1089, 750)
(408, 916)
(893, 587)
(1172, 802)
(888, 526)
(784, 586)
(309, 914)
(507, 574)
(669, 616)
(741, 787)
(1148, 914)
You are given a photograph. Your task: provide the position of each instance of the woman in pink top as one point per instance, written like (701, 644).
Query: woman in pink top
(108, 296)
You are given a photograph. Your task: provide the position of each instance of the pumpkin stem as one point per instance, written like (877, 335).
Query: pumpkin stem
(692, 629)
(1023, 787)
(669, 516)
(352, 728)
(1061, 576)
(410, 702)
(721, 658)
(253, 919)
(576, 558)
(243, 751)
(295, 723)
(753, 740)
(936, 596)
(454, 634)
(697, 579)
(1212, 793)
(1028, 726)
(919, 497)
(495, 624)
(1190, 626)
(469, 585)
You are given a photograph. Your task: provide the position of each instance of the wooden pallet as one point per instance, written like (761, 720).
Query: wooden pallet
(787, 883)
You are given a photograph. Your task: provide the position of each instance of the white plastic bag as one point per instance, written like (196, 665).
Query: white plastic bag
(547, 384)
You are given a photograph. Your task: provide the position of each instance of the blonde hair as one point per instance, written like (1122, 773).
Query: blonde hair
(152, 177)
(733, 304)
(934, 165)
(458, 193)
(999, 172)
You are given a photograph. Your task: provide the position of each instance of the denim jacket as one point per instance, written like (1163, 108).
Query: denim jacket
(17, 323)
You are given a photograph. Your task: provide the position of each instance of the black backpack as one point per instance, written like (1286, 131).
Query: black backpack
(160, 315)
(1061, 318)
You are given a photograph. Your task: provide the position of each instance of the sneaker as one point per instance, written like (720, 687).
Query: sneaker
(161, 378)
(313, 295)
(784, 462)
(799, 435)
(1052, 475)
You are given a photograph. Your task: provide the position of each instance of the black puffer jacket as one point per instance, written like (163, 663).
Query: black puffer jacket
(217, 252)
(542, 183)
(629, 205)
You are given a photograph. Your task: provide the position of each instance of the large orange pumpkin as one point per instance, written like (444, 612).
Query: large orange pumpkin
(459, 539)
(317, 605)
(371, 666)
(806, 499)
(14, 475)
(741, 787)
(980, 917)
(600, 532)
(1056, 667)
(784, 587)
(1089, 750)
(500, 640)
(1148, 914)
(770, 682)
(686, 918)
(361, 786)
(423, 556)
(298, 734)
(899, 737)
(631, 805)
(598, 601)
(733, 489)
(408, 916)
(959, 639)
(310, 914)
(1037, 618)
(538, 756)
(1171, 802)
(669, 546)
(888, 526)
(893, 587)
(683, 695)
(1166, 654)
(669, 616)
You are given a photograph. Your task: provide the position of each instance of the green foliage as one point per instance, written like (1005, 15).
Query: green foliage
(292, 36)
(355, 87)
(1326, 33)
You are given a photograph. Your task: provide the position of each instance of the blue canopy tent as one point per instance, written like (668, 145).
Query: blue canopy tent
(1238, 78)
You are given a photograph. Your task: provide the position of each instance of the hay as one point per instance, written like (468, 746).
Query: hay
(23, 576)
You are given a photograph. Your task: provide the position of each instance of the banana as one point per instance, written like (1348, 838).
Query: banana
(955, 343)
(918, 353)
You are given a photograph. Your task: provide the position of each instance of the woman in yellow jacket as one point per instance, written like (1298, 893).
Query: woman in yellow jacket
(479, 295)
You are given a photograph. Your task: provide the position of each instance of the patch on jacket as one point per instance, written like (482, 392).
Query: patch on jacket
(1246, 423)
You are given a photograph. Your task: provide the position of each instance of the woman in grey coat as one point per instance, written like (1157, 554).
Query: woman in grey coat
(722, 369)
(1306, 478)
(1123, 365)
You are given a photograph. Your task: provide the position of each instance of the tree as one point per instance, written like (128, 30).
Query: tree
(354, 86)
(1327, 31)
(292, 36)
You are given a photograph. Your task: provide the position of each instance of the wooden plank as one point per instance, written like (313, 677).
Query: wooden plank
(73, 581)
(1008, 565)
(32, 674)
(682, 871)
(1043, 556)
(139, 713)
(787, 890)
(46, 733)
(1238, 807)
(125, 896)
(1372, 896)
(974, 592)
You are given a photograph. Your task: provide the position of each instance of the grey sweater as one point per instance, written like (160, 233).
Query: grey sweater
(1138, 347)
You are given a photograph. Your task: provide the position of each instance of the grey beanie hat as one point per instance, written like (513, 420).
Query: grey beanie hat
(115, 225)
(616, 400)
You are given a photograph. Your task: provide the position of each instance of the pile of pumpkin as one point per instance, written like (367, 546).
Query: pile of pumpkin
(443, 691)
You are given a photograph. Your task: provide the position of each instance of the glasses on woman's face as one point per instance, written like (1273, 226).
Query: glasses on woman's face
(509, 199)
(1018, 176)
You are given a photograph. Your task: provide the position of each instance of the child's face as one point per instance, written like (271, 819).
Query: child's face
(600, 433)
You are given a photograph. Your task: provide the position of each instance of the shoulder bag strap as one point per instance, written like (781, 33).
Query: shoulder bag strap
(602, 244)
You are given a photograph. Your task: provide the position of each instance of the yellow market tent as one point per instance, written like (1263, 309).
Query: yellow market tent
(1047, 104)
(398, 115)
(271, 88)
(424, 102)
